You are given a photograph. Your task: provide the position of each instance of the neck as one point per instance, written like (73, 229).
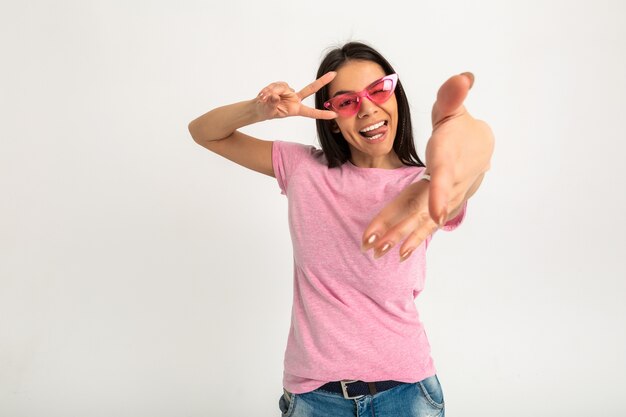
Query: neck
(390, 161)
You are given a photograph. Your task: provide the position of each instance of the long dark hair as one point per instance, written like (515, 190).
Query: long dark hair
(334, 145)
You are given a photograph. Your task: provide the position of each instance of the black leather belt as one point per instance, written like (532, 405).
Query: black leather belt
(354, 389)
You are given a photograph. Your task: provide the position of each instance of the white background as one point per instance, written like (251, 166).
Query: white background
(142, 275)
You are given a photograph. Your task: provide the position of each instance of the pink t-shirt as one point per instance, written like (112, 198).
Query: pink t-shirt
(353, 316)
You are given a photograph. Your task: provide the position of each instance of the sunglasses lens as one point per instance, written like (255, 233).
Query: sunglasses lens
(381, 91)
(345, 103)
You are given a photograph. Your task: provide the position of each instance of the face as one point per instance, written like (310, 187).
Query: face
(369, 150)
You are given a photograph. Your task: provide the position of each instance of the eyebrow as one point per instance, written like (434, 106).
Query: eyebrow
(352, 91)
(340, 92)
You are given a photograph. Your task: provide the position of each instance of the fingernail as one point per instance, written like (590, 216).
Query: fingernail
(368, 242)
(384, 249)
(470, 76)
(405, 255)
(442, 216)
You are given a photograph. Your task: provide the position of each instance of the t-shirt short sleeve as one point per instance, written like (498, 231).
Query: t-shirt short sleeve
(287, 157)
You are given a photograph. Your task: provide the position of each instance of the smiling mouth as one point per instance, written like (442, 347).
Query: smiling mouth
(375, 133)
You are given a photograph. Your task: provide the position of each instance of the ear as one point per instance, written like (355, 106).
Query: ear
(334, 127)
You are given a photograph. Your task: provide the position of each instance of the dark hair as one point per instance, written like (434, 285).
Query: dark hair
(334, 145)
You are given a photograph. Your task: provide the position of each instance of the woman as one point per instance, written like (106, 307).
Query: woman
(356, 345)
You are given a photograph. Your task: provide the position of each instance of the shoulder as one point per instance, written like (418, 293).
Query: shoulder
(299, 152)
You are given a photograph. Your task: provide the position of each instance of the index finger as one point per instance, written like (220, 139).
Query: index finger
(316, 113)
(316, 85)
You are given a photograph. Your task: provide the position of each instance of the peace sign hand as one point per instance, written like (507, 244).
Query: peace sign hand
(278, 100)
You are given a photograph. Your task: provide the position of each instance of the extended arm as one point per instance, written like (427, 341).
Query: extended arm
(458, 155)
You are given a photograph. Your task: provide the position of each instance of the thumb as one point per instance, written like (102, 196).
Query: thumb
(451, 96)
(439, 192)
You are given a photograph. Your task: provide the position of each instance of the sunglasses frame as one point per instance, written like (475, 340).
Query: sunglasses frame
(359, 96)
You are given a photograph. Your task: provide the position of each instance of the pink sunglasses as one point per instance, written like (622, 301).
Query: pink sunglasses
(378, 92)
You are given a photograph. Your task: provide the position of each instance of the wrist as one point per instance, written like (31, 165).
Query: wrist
(255, 111)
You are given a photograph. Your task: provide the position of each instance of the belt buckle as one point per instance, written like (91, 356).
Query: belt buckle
(344, 389)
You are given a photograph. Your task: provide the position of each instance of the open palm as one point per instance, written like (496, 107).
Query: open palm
(457, 156)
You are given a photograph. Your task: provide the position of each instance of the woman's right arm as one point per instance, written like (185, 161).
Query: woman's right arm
(217, 129)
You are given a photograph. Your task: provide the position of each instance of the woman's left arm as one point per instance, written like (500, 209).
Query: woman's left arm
(458, 155)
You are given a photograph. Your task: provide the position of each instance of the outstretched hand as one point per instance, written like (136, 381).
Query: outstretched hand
(279, 100)
(457, 156)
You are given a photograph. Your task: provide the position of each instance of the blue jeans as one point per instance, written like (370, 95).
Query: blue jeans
(419, 399)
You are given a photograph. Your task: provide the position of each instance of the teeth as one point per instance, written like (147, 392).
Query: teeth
(375, 137)
(372, 127)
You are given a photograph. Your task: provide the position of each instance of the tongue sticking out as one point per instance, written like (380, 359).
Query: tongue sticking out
(375, 132)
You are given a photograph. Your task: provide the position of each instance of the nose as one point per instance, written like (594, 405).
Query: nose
(367, 108)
